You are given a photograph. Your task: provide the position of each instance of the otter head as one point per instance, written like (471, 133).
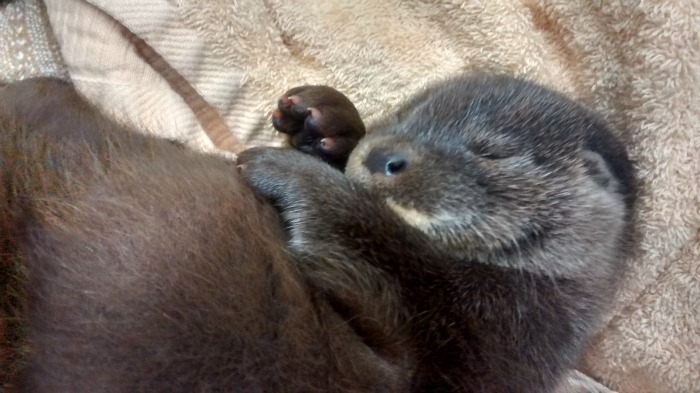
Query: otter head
(489, 166)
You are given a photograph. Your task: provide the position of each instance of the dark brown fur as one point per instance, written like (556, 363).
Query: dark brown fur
(151, 268)
(323, 123)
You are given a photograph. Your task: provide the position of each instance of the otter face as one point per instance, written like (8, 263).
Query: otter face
(487, 167)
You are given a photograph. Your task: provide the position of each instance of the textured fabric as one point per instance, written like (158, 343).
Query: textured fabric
(27, 46)
(194, 69)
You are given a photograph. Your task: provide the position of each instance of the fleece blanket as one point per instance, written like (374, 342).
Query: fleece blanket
(208, 73)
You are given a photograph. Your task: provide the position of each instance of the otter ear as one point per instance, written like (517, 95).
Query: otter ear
(598, 170)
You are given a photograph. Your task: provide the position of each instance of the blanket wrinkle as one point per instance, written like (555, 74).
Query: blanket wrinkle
(635, 62)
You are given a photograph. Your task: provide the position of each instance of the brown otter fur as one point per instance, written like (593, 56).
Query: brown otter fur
(151, 268)
(470, 245)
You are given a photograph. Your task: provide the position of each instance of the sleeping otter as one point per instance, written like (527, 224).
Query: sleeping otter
(470, 245)
(496, 211)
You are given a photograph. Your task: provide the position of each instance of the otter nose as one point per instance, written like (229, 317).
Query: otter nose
(387, 163)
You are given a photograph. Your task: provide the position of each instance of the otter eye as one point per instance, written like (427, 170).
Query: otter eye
(494, 156)
(491, 152)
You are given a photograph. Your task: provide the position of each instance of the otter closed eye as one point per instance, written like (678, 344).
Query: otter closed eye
(486, 150)
(494, 155)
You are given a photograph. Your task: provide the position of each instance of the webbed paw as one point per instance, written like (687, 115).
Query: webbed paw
(269, 172)
(320, 121)
(298, 185)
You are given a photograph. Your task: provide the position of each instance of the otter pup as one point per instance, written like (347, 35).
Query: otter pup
(469, 246)
(483, 231)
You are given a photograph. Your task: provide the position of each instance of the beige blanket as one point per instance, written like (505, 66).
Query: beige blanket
(208, 72)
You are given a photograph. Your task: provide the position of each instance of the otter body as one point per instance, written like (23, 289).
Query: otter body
(495, 213)
(470, 245)
(149, 268)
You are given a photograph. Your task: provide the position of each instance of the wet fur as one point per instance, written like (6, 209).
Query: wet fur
(151, 268)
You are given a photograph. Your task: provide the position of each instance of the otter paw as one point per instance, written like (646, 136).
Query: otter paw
(264, 170)
(283, 176)
(295, 183)
(319, 121)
